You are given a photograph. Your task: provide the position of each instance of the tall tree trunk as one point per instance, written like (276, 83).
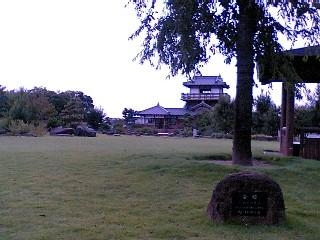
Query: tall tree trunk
(242, 154)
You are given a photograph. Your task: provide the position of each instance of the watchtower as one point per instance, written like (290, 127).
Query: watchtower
(205, 92)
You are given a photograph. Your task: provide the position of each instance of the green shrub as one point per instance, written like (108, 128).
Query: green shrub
(18, 127)
(206, 131)
(54, 122)
(4, 123)
(39, 129)
(228, 136)
(217, 135)
(145, 131)
(186, 132)
(262, 137)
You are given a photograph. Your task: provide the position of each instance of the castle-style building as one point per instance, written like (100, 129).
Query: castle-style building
(204, 93)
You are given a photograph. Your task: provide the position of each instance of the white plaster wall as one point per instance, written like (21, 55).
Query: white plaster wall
(216, 90)
(194, 90)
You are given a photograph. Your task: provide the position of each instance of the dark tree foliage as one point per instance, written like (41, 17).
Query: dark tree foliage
(316, 107)
(217, 120)
(38, 105)
(222, 115)
(85, 100)
(203, 123)
(189, 123)
(129, 116)
(49, 107)
(309, 114)
(4, 102)
(73, 113)
(266, 119)
(59, 100)
(95, 118)
(183, 34)
(304, 116)
(18, 107)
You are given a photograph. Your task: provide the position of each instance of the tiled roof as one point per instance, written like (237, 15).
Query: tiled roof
(305, 51)
(177, 111)
(159, 110)
(199, 105)
(206, 80)
(156, 110)
(306, 68)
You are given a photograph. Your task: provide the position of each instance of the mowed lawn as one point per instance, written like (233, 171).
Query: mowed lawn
(131, 187)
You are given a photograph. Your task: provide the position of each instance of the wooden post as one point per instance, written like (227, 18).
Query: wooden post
(283, 119)
(289, 119)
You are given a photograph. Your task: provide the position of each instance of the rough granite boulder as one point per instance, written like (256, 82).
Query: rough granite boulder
(85, 131)
(247, 198)
(61, 131)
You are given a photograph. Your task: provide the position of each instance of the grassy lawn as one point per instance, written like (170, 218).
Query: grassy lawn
(132, 187)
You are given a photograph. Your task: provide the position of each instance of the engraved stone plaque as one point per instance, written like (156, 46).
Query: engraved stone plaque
(249, 204)
(247, 198)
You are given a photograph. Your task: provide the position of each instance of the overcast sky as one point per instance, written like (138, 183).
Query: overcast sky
(83, 45)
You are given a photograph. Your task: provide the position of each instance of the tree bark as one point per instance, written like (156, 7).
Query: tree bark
(242, 154)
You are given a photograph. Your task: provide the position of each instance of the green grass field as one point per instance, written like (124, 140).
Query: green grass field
(132, 187)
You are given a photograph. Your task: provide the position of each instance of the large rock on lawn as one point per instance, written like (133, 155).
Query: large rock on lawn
(247, 198)
(85, 131)
(62, 131)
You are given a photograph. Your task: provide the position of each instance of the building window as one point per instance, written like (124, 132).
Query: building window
(205, 90)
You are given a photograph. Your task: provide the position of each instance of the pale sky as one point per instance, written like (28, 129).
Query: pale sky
(83, 45)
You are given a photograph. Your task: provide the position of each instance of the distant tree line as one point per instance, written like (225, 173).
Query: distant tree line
(40, 107)
(308, 115)
(265, 116)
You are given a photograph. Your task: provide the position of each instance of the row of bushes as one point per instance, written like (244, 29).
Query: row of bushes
(259, 137)
(18, 127)
(188, 133)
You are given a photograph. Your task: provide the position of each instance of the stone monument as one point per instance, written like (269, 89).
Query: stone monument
(247, 198)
